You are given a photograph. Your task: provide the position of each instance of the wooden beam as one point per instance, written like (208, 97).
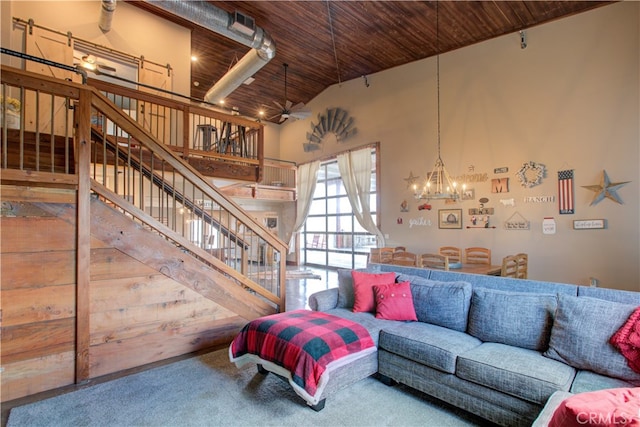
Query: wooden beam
(83, 235)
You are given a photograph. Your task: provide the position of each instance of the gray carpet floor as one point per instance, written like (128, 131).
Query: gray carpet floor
(208, 390)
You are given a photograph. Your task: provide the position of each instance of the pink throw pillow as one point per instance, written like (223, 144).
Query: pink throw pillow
(627, 340)
(363, 284)
(614, 407)
(394, 302)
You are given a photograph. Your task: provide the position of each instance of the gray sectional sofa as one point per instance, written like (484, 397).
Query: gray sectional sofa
(493, 346)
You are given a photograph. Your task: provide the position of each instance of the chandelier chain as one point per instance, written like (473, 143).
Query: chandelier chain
(438, 69)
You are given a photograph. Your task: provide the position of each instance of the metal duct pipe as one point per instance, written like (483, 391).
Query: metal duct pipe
(106, 15)
(221, 22)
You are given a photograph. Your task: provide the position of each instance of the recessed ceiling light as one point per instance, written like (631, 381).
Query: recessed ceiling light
(196, 83)
(194, 58)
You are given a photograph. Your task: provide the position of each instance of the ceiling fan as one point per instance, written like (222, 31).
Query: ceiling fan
(290, 111)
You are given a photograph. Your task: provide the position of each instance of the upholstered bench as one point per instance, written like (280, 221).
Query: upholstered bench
(318, 353)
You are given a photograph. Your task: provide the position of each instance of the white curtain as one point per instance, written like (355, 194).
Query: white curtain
(355, 168)
(307, 179)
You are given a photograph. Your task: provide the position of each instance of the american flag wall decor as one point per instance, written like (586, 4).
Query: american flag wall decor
(565, 192)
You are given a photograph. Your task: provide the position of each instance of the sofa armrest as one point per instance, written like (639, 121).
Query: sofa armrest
(552, 404)
(324, 300)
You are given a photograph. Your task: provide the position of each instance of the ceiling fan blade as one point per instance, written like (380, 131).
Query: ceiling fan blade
(288, 105)
(302, 114)
(279, 106)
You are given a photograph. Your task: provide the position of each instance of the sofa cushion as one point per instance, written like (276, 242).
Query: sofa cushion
(611, 408)
(520, 319)
(590, 381)
(363, 284)
(440, 303)
(368, 320)
(427, 344)
(581, 332)
(516, 371)
(345, 286)
(394, 302)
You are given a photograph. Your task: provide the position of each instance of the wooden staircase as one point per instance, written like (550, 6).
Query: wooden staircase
(92, 282)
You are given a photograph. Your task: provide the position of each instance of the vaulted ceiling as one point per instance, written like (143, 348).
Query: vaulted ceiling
(327, 42)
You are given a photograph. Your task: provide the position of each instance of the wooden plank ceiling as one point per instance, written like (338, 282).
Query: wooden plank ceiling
(327, 42)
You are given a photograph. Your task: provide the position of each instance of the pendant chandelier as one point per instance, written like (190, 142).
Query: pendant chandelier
(438, 184)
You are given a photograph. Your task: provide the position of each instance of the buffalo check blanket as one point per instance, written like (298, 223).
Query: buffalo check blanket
(307, 344)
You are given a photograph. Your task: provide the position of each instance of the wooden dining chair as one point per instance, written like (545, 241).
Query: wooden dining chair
(405, 258)
(477, 256)
(381, 255)
(454, 254)
(400, 249)
(522, 260)
(438, 261)
(509, 266)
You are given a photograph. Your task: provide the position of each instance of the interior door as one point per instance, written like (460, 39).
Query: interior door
(43, 109)
(156, 118)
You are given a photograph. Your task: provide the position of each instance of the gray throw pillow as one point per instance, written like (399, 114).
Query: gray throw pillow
(520, 319)
(444, 304)
(346, 297)
(581, 332)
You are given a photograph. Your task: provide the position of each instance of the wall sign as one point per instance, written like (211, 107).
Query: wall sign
(589, 224)
(516, 222)
(548, 225)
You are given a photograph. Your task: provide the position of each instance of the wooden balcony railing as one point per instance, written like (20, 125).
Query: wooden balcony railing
(62, 128)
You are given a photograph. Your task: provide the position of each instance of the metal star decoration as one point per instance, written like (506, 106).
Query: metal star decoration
(606, 188)
(411, 179)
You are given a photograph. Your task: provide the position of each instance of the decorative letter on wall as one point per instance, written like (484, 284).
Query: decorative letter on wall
(334, 120)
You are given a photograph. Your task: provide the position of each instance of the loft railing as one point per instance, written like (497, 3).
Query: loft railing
(189, 129)
(131, 169)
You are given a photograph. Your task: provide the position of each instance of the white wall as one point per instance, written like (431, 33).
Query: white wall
(133, 31)
(570, 100)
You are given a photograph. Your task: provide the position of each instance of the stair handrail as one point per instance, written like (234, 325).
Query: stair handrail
(75, 91)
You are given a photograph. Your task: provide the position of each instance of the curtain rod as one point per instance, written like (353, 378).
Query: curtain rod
(335, 155)
(31, 23)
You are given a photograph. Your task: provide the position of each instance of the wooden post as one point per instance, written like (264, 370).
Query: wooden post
(186, 112)
(83, 234)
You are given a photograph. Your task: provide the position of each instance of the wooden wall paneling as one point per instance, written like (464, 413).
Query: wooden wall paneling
(27, 377)
(134, 307)
(110, 263)
(24, 193)
(153, 250)
(20, 306)
(129, 322)
(36, 235)
(114, 294)
(37, 340)
(115, 356)
(29, 269)
(83, 233)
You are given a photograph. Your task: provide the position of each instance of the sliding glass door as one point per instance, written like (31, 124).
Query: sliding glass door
(332, 236)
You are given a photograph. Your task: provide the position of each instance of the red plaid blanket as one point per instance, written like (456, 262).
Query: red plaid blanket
(303, 342)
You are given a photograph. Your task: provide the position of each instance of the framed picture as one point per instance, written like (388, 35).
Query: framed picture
(468, 194)
(450, 218)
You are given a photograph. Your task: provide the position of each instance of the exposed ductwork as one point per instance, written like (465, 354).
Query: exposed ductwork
(106, 15)
(236, 27)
